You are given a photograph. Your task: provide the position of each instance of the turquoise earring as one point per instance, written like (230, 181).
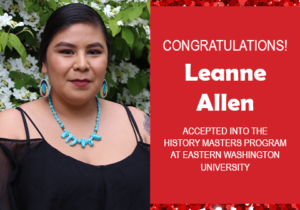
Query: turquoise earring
(44, 87)
(104, 89)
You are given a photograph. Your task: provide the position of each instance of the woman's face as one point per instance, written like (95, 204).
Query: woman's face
(76, 61)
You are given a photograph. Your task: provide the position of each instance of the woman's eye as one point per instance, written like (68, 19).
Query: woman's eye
(94, 52)
(68, 52)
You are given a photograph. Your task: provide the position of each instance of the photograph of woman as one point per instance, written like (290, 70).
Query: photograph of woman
(71, 149)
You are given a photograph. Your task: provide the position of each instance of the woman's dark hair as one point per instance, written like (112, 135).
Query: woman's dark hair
(66, 16)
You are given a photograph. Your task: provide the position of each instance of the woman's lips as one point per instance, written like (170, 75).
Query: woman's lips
(80, 83)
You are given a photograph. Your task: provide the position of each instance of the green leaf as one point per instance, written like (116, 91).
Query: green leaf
(41, 12)
(22, 36)
(125, 14)
(1, 12)
(28, 30)
(30, 9)
(28, 4)
(149, 57)
(32, 82)
(144, 79)
(44, 18)
(148, 5)
(9, 46)
(36, 6)
(14, 74)
(145, 15)
(134, 86)
(118, 42)
(3, 40)
(66, 1)
(128, 36)
(53, 4)
(29, 39)
(119, 16)
(15, 42)
(110, 81)
(114, 27)
(126, 53)
(135, 12)
(19, 83)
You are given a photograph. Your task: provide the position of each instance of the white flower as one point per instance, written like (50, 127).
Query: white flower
(113, 76)
(116, 10)
(4, 74)
(2, 57)
(5, 4)
(33, 96)
(111, 12)
(129, 68)
(137, 22)
(22, 94)
(107, 11)
(15, 24)
(30, 19)
(124, 78)
(4, 102)
(120, 23)
(147, 29)
(5, 91)
(127, 95)
(17, 64)
(5, 20)
(94, 5)
(102, 2)
(10, 83)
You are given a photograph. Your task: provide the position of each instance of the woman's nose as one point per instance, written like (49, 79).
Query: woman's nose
(81, 62)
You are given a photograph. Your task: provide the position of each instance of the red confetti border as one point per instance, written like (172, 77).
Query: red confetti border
(224, 206)
(222, 3)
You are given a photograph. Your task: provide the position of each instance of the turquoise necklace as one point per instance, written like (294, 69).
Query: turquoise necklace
(69, 136)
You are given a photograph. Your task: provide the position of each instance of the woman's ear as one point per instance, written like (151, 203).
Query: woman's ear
(44, 68)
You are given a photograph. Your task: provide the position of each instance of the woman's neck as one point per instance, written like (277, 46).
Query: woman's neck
(67, 108)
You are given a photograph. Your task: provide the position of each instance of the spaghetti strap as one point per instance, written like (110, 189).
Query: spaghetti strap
(25, 123)
(134, 125)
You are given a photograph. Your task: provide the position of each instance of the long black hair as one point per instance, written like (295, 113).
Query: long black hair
(66, 16)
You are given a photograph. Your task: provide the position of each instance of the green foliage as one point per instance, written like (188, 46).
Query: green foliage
(3, 40)
(16, 43)
(114, 27)
(128, 38)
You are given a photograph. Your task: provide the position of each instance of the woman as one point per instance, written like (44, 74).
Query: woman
(39, 170)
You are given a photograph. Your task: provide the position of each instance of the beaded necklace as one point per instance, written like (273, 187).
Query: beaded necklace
(69, 136)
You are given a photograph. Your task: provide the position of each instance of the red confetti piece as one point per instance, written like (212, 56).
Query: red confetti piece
(218, 3)
(224, 206)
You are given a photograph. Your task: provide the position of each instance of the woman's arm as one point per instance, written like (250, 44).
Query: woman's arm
(11, 124)
(143, 122)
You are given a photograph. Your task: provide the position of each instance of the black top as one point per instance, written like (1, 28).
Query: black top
(36, 176)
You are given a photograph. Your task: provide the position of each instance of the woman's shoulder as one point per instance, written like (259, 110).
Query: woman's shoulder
(143, 122)
(141, 118)
(10, 122)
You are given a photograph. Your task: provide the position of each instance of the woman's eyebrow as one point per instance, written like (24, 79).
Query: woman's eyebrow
(66, 44)
(96, 44)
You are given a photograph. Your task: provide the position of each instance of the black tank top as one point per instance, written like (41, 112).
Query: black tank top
(36, 176)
